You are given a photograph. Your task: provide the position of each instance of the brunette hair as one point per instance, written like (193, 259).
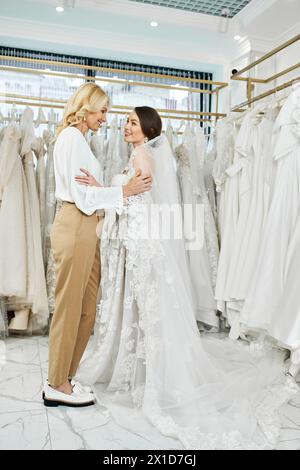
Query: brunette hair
(150, 121)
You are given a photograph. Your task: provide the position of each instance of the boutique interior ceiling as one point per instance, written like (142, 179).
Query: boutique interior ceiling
(209, 7)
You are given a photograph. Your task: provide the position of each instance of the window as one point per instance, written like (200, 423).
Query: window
(169, 93)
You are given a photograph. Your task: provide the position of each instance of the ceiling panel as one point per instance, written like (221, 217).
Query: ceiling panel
(209, 7)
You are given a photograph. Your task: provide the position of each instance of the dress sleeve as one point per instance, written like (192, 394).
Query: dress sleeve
(88, 198)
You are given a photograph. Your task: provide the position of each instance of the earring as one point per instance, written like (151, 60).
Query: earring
(84, 119)
(146, 140)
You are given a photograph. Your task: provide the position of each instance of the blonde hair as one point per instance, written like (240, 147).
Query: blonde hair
(88, 98)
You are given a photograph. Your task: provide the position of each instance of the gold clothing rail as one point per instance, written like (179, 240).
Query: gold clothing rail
(250, 81)
(265, 95)
(113, 111)
(43, 101)
(107, 126)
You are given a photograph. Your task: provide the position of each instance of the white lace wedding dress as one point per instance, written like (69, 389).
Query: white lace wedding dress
(151, 369)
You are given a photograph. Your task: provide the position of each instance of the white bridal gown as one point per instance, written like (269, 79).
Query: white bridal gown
(273, 301)
(226, 176)
(150, 366)
(203, 259)
(13, 207)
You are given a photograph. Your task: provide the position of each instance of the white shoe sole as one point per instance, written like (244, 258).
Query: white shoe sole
(55, 403)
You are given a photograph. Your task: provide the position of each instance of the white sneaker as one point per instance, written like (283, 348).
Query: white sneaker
(83, 388)
(77, 398)
(73, 382)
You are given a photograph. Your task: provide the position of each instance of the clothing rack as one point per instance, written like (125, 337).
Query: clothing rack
(116, 109)
(251, 80)
(47, 122)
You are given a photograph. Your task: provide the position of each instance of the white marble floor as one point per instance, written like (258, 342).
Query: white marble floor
(26, 424)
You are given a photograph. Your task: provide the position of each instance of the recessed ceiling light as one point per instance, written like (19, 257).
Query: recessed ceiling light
(60, 9)
(154, 24)
(237, 37)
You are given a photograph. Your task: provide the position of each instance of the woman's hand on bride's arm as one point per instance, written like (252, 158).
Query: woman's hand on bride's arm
(137, 185)
(87, 180)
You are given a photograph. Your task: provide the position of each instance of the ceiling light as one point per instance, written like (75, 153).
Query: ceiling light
(59, 9)
(154, 24)
(239, 32)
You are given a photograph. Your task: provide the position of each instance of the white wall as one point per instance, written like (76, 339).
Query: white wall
(277, 22)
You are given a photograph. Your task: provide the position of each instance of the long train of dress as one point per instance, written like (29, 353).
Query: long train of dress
(150, 366)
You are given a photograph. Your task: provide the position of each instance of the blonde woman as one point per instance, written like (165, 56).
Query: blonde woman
(75, 243)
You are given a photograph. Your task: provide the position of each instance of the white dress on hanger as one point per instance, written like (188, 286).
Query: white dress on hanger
(97, 144)
(13, 204)
(117, 151)
(226, 178)
(49, 140)
(169, 134)
(259, 206)
(112, 152)
(39, 151)
(2, 133)
(247, 148)
(273, 301)
(153, 371)
(3, 315)
(209, 180)
(22, 279)
(203, 261)
(37, 279)
(250, 242)
(249, 165)
(124, 149)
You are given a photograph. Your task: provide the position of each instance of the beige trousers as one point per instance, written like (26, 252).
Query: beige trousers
(76, 253)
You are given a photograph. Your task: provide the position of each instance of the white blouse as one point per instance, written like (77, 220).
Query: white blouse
(72, 152)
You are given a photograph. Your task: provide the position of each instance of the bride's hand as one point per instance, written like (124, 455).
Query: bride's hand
(87, 180)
